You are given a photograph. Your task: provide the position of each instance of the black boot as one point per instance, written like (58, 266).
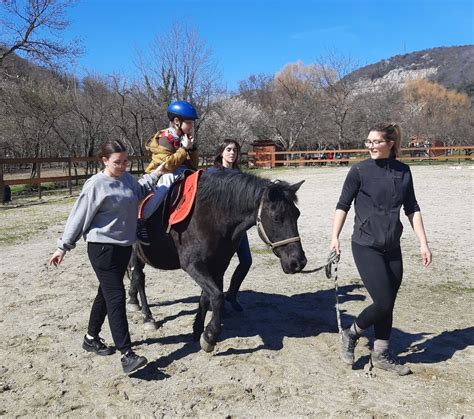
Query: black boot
(132, 362)
(97, 346)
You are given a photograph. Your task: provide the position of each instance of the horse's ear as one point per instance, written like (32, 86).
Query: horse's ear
(296, 186)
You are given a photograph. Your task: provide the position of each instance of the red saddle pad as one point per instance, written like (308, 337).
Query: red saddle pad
(185, 203)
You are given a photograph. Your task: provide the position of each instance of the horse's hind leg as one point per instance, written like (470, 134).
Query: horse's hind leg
(137, 286)
(199, 320)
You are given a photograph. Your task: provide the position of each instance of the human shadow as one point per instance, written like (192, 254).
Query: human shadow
(435, 349)
(150, 372)
(423, 350)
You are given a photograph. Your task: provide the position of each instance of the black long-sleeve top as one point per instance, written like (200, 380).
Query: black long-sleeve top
(379, 187)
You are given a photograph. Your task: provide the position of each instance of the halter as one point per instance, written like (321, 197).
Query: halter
(264, 236)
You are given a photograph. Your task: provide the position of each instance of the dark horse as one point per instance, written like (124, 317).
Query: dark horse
(227, 204)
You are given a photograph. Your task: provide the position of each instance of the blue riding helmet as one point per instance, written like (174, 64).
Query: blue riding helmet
(182, 110)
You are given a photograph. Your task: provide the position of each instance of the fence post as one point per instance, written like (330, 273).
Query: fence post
(2, 184)
(39, 181)
(69, 182)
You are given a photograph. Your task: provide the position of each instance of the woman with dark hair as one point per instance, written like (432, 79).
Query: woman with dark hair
(227, 155)
(227, 158)
(105, 214)
(379, 186)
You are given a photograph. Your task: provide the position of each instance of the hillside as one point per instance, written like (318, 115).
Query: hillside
(16, 67)
(453, 67)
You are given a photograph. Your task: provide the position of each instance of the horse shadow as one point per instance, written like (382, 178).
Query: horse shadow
(185, 300)
(270, 316)
(274, 317)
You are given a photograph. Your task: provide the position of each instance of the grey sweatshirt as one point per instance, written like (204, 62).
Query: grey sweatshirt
(106, 210)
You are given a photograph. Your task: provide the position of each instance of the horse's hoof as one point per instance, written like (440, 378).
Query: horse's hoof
(207, 347)
(133, 307)
(150, 325)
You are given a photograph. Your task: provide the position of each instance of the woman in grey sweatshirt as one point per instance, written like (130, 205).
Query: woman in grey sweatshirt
(105, 214)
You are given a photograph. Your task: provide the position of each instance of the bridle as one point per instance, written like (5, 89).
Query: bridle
(264, 236)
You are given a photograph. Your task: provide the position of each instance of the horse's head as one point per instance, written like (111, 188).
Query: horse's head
(277, 225)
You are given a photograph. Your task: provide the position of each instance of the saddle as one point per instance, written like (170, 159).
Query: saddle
(179, 200)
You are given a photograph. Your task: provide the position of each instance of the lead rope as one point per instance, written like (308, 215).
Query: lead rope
(333, 259)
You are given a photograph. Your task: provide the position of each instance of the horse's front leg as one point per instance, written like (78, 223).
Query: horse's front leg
(215, 296)
(137, 286)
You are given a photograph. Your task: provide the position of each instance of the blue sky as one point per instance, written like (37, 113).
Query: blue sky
(261, 36)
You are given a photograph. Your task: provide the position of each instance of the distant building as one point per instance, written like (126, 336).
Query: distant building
(265, 153)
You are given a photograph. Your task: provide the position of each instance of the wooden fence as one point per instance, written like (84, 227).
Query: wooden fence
(71, 162)
(342, 157)
(251, 159)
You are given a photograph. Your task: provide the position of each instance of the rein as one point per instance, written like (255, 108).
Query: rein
(264, 236)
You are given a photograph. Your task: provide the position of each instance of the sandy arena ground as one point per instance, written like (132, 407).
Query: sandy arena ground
(277, 358)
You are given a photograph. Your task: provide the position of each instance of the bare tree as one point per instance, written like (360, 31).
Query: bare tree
(234, 118)
(34, 27)
(181, 68)
(295, 96)
(371, 105)
(338, 91)
(289, 101)
(93, 109)
(257, 89)
(31, 111)
(438, 113)
(135, 115)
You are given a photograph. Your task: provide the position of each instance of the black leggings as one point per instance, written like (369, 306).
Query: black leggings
(381, 273)
(110, 263)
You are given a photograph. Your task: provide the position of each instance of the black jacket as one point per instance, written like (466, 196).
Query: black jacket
(380, 187)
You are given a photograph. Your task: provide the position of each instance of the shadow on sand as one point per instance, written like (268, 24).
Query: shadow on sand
(273, 317)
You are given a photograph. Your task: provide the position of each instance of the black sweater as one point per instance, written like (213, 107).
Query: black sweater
(380, 187)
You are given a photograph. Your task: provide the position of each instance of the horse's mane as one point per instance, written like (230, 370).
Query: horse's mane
(239, 191)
